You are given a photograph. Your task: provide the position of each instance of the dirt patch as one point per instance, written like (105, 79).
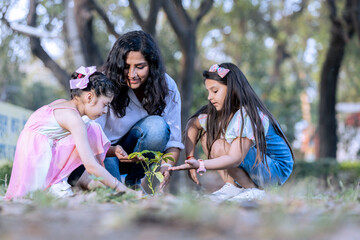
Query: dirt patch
(279, 216)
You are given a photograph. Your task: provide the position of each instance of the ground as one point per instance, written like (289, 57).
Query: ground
(298, 210)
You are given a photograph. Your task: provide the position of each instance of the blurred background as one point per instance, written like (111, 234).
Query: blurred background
(300, 56)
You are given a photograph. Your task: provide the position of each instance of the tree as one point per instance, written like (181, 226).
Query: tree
(148, 24)
(185, 28)
(342, 30)
(38, 50)
(78, 34)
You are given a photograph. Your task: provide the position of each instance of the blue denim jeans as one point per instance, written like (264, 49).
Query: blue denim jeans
(279, 161)
(150, 133)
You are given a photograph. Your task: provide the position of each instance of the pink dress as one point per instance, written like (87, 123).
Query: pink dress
(46, 153)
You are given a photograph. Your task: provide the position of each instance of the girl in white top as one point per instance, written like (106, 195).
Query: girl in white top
(145, 112)
(240, 137)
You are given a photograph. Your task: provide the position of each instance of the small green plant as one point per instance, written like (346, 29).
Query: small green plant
(151, 165)
(5, 173)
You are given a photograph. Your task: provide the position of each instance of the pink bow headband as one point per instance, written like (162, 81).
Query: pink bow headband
(81, 83)
(220, 71)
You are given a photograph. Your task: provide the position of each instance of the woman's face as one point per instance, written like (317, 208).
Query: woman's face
(216, 93)
(136, 70)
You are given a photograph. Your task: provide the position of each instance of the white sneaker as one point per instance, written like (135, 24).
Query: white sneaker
(249, 194)
(61, 189)
(225, 192)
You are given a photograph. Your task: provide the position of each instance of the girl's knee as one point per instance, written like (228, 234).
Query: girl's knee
(219, 148)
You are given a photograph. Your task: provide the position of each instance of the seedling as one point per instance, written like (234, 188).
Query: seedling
(151, 165)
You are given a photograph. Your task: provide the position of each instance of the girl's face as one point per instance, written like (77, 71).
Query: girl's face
(136, 70)
(98, 106)
(216, 93)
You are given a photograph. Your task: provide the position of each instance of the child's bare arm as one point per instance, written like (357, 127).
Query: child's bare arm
(72, 121)
(192, 131)
(193, 128)
(233, 159)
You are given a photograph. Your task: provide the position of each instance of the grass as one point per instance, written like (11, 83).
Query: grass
(304, 208)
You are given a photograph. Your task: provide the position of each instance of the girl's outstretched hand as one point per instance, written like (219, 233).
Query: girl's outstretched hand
(189, 164)
(193, 176)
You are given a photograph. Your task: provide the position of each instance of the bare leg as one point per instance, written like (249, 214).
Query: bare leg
(241, 177)
(220, 148)
(225, 176)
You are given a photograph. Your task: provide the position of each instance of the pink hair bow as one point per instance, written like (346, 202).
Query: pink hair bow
(81, 83)
(220, 71)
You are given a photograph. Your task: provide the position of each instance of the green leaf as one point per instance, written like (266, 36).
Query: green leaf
(135, 154)
(169, 159)
(159, 176)
(154, 167)
(167, 154)
(146, 151)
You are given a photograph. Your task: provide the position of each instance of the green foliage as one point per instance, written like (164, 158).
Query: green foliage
(5, 174)
(247, 33)
(43, 198)
(5, 171)
(344, 173)
(105, 194)
(37, 95)
(151, 161)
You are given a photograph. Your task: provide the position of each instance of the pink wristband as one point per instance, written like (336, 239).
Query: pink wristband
(201, 170)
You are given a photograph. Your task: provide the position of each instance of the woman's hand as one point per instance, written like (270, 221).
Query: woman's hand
(120, 153)
(124, 157)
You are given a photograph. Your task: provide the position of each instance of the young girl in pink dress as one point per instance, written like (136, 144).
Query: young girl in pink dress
(56, 140)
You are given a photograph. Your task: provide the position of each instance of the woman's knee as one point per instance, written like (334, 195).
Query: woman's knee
(154, 127)
(154, 133)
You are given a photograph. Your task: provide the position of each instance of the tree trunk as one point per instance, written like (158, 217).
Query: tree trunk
(149, 24)
(341, 31)
(38, 50)
(73, 35)
(185, 29)
(84, 19)
(188, 48)
(328, 84)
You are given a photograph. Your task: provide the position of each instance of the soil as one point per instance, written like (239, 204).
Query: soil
(280, 216)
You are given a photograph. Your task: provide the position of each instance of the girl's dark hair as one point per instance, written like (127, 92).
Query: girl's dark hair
(239, 95)
(97, 82)
(155, 87)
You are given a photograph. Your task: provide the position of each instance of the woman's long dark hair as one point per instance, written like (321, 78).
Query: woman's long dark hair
(239, 95)
(155, 87)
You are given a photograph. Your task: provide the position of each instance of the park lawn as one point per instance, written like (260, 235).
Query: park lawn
(307, 208)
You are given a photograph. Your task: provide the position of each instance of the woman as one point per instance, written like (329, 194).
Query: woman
(145, 112)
